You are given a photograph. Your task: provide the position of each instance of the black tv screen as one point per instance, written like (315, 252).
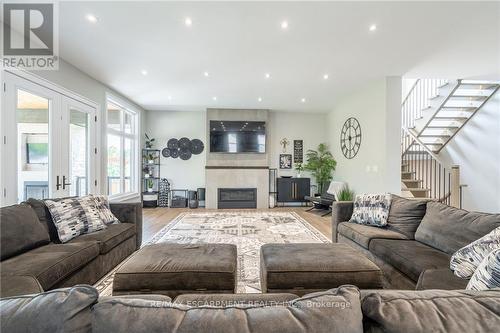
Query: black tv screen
(237, 136)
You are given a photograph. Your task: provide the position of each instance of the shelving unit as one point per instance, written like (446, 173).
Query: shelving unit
(150, 177)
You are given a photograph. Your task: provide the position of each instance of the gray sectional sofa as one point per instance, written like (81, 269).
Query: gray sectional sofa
(33, 259)
(415, 249)
(345, 309)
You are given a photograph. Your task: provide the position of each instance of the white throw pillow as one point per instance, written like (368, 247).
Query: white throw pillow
(102, 206)
(372, 209)
(465, 261)
(74, 216)
(487, 275)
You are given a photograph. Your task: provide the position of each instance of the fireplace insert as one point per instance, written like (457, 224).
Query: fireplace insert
(237, 198)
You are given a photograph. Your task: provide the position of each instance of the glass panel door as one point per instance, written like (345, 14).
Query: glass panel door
(77, 175)
(48, 148)
(29, 152)
(33, 144)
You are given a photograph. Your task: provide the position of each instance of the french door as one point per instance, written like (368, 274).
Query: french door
(48, 142)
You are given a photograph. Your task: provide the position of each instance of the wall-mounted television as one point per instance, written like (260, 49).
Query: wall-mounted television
(237, 136)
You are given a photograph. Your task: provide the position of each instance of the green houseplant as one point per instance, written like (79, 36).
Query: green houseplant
(149, 141)
(299, 167)
(321, 164)
(346, 194)
(150, 185)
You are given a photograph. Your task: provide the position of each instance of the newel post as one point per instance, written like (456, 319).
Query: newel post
(455, 186)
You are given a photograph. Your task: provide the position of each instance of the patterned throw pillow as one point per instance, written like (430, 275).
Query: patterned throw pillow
(371, 209)
(74, 216)
(103, 210)
(465, 261)
(487, 275)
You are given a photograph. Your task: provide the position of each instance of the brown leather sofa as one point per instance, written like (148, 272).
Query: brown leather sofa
(342, 310)
(415, 248)
(33, 259)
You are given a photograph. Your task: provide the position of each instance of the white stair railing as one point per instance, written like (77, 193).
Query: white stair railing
(418, 99)
(424, 174)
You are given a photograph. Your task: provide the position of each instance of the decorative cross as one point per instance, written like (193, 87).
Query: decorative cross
(284, 142)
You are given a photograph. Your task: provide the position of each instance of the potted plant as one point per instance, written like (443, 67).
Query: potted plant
(151, 158)
(345, 194)
(321, 164)
(147, 171)
(150, 185)
(299, 167)
(149, 141)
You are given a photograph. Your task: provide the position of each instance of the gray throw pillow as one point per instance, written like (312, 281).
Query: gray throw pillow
(371, 209)
(20, 231)
(487, 275)
(57, 311)
(336, 310)
(405, 215)
(465, 261)
(73, 217)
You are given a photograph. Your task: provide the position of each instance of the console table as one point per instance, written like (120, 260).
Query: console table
(293, 189)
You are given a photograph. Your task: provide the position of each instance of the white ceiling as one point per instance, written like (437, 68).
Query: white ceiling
(237, 43)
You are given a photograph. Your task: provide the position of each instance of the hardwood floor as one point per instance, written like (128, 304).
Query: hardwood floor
(156, 218)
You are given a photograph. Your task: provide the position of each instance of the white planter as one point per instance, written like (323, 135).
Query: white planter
(146, 176)
(150, 190)
(151, 161)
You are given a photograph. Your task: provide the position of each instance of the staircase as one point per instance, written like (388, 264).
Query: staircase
(433, 112)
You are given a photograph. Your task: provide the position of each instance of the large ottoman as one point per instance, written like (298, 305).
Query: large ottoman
(173, 269)
(304, 268)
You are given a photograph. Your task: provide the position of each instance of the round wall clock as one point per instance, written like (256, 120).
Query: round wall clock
(350, 138)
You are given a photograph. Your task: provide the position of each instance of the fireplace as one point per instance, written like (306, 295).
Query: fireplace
(237, 198)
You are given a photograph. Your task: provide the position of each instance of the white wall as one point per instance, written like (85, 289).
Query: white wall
(376, 167)
(71, 78)
(476, 149)
(163, 125)
(309, 127)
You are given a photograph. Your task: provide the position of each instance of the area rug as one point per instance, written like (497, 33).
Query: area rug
(248, 230)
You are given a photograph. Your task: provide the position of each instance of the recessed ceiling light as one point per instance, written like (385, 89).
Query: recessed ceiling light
(303, 100)
(267, 75)
(188, 22)
(205, 73)
(91, 18)
(144, 72)
(373, 27)
(325, 76)
(214, 98)
(259, 99)
(284, 25)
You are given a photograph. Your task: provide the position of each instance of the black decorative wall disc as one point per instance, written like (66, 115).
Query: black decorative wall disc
(174, 153)
(184, 154)
(196, 146)
(165, 152)
(185, 143)
(173, 143)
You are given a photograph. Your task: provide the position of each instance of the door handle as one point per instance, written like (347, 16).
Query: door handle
(58, 183)
(64, 184)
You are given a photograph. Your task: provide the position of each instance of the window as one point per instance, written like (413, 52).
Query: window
(122, 143)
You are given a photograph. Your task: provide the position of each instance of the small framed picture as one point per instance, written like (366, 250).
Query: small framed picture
(285, 161)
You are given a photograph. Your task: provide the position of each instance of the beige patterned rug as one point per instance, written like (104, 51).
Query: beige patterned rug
(248, 230)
